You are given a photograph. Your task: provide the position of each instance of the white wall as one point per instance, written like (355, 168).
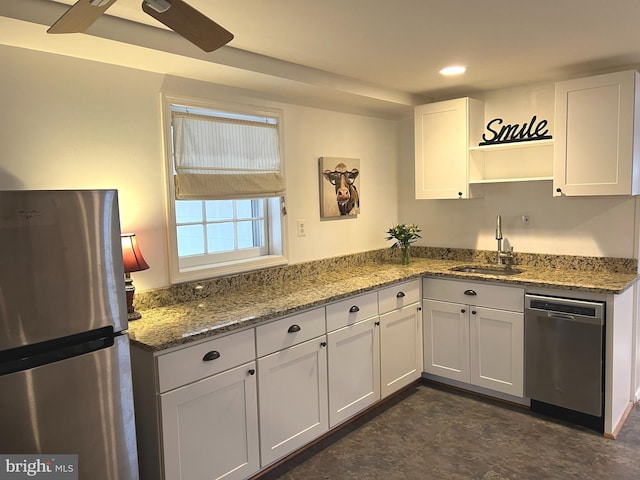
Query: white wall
(70, 123)
(590, 226)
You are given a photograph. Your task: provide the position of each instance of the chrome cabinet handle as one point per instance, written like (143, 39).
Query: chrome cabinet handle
(400, 295)
(212, 355)
(294, 328)
(470, 292)
(354, 309)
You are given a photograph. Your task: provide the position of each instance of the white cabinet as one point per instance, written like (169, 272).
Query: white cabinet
(400, 336)
(197, 410)
(354, 369)
(497, 350)
(292, 384)
(371, 357)
(596, 135)
(444, 131)
(210, 427)
(446, 339)
(353, 356)
(474, 333)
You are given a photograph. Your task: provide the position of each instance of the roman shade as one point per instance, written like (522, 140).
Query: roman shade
(219, 158)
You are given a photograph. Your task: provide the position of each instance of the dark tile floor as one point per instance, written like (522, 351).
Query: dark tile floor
(431, 432)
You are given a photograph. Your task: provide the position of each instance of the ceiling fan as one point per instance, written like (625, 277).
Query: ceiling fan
(175, 14)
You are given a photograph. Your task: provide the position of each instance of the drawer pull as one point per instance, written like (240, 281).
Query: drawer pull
(294, 328)
(211, 356)
(473, 312)
(377, 324)
(323, 344)
(462, 310)
(400, 295)
(470, 292)
(354, 309)
(252, 372)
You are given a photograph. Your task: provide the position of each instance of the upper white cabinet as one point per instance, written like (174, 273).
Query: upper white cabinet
(595, 148)
(444, 131)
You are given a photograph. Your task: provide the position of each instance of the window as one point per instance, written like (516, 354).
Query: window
(226, 188)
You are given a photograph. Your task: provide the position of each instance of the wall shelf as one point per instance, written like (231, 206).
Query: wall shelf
(509, 180)
(511, 162)
(513, 146)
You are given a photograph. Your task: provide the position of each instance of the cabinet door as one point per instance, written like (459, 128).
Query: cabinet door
(354, 369)
(400, 348)
(442, 133)
(594, 135)
(497, 350)
(293, 398)
(210, 427)
(446, 339)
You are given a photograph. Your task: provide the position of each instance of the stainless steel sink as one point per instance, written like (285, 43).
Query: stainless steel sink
(486, 270)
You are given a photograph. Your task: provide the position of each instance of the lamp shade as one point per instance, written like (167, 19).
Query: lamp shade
(131, 255)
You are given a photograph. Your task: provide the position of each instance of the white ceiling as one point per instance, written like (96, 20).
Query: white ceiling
(383, 51)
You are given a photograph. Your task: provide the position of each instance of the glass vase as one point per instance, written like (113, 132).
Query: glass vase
(405, 254)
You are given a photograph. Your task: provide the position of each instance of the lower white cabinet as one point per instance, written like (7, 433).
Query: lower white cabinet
(210, 427)
(497, 350)
(227, 407)
(292, 386)
(446, 340)
(354, 369)
(400, 348)
(197, 410)
(471, 342)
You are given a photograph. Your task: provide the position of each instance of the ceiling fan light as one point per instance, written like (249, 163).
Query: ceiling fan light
(159, 6)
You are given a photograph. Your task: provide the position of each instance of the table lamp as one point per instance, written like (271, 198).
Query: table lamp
(133, 262)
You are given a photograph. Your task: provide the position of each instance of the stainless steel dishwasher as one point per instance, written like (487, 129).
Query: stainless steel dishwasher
(564, 358)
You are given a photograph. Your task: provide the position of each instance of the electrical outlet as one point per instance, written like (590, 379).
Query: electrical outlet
(302, 228)
(525, 220)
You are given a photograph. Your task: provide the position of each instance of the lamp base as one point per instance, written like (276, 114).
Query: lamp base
(130, 290)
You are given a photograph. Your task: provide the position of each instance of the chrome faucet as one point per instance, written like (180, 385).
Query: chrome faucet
(502, 257)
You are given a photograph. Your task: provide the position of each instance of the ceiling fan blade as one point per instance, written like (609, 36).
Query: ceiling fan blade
(80, 16)
(191, 24)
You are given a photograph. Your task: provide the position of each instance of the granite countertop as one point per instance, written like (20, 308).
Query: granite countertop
(169, 326)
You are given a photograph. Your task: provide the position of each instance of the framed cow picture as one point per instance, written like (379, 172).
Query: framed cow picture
(339, 186)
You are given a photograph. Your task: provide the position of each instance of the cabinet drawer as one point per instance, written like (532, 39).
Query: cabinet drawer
(398, 296)
(188, 364)
(290, 331)
(352, 310)
(478, 293)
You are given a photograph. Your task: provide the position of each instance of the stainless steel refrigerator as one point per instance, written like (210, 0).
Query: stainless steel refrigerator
(65, 373)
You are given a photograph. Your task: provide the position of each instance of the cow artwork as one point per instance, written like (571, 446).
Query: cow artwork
(343, 175)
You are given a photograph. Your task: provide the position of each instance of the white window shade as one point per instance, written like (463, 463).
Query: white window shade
(220, 158)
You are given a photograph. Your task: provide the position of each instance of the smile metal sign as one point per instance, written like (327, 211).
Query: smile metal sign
(499, 132)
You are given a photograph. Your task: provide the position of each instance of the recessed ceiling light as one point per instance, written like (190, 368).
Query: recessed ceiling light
(453, 70)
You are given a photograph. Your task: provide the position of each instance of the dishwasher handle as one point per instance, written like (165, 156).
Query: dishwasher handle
(566, 317)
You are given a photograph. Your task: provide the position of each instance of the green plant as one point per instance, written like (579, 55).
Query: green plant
(404, 235)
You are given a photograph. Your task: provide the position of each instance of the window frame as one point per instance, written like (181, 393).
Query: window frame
(276, 225)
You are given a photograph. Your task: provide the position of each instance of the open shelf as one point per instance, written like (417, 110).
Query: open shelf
(511, 162)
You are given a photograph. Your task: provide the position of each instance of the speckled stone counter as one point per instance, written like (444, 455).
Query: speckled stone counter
(210, 308)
